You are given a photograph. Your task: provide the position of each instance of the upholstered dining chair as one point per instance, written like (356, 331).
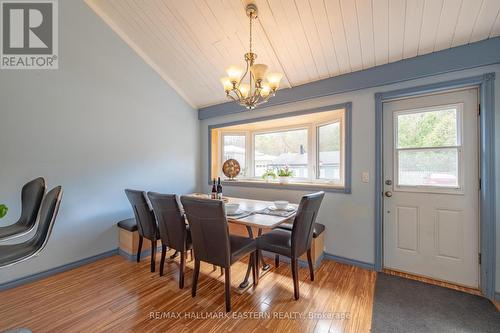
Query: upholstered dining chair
(174, 232)
(212, 242)
(146, 223)
(31, 199)
(296, 242)
(15, 253)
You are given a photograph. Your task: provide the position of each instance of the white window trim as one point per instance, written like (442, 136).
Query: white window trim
(312, 151)
(428, 188)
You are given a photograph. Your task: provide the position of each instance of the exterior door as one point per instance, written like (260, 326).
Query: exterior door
(431, 185)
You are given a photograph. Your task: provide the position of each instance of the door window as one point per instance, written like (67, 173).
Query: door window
(428, 148)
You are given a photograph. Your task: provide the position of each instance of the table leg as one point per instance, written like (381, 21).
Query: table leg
(244, 284)
(265, 266)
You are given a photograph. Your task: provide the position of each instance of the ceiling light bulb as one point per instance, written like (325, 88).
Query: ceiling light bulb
(234, 73)
(274, 80)
(258, 71)
(226, 83)
(265, 90)
(244, 89)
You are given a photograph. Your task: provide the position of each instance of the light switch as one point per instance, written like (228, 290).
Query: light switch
(365, 177)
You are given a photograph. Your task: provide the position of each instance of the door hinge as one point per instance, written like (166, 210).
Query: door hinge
(480, 186)
(479, 258)
(479, 109)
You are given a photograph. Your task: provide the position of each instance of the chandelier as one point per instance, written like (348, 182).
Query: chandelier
(252, 87)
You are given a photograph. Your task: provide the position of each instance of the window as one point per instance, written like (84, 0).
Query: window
(234, 146)
(275, 150)
(329, 142)
(428, 147)
(311, 145)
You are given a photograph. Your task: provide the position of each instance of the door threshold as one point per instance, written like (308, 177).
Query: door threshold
(469, 290)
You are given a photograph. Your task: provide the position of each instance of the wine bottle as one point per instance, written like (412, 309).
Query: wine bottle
(219, 189)
(214, 191)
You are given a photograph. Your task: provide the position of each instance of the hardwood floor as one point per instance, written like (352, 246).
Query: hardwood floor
(116, 295)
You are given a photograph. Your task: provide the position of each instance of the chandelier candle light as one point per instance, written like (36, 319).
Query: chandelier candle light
(252, 87)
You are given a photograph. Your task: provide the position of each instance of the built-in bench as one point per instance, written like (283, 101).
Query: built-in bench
(129, 239)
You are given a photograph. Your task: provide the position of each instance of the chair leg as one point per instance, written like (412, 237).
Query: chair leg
(174, 255)
(276, 260)
(162, 260)
(295, 275)
(310, 262)
(228, 288)
(255, 267)
(191, 251)
(196, 274)
(181, 269)
(139, 249)
(153, 255)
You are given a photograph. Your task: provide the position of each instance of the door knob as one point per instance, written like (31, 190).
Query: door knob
(388, 194)
(388, 182)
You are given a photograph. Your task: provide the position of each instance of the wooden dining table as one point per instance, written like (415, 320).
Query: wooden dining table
(254, 219)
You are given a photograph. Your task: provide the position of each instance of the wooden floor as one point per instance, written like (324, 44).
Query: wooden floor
(116, 295)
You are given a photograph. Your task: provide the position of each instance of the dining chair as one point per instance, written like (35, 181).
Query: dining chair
(146, 223)
(15, 253)
(298, 241)
(31, 199)
(212, 242)
(174, 232)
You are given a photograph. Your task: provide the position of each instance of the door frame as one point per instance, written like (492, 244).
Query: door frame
(487, 214)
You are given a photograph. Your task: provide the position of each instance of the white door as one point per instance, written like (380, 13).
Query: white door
(431, 185)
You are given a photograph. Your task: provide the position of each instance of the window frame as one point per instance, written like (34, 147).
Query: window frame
(459, 147)
(221, 147)
(315, 185)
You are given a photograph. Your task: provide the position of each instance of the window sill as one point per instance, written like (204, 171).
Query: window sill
(305, 186)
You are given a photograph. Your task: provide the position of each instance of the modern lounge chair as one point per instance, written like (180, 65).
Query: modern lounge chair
(16, 253)
(31, 199)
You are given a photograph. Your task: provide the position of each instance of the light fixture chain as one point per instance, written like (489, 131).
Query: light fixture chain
(251, 16)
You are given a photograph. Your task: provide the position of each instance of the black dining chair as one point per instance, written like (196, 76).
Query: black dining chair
(31, 199)
(146, 223)
(298, 241)
(174, 232)
(15, 253)
(212, 242)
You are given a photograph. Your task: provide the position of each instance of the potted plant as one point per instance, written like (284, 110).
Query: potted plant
(268, 175)
(284, 175)
(3, 210)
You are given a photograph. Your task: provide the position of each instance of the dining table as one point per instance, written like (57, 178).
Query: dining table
(260, 215)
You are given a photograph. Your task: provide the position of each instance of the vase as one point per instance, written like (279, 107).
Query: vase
(283, 180)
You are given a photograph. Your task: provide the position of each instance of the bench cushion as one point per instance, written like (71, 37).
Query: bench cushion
(318, 228)
(128, 224)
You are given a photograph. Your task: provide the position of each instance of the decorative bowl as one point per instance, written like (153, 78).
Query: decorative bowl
(231, 208)
(281, 204)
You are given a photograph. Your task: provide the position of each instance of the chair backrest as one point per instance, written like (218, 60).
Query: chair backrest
(303, 226)
(170, 218)
(209, 231)
(144, 216)
(31, 199)
(48, 214)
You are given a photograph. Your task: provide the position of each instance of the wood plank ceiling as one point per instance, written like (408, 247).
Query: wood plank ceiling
(191, 42)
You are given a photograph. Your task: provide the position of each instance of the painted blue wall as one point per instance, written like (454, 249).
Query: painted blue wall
(350, 217)
(103, 122)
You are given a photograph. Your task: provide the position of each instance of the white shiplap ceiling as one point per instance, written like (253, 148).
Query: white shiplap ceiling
(191, 42)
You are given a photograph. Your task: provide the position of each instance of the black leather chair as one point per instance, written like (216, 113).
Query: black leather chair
(31, 199)
(318, 229)
(212, 242)
(174, 232)
(146, 223)
(13, 254)
(295, 243)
